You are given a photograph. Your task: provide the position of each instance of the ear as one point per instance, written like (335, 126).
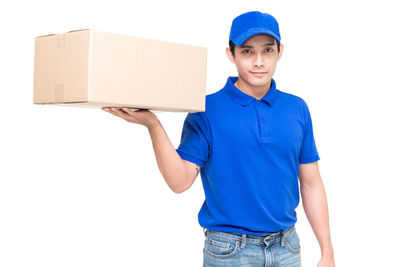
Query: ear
(229, 55)
(280, 51)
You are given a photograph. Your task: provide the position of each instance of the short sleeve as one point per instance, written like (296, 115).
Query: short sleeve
(195, 141)
(308, 151)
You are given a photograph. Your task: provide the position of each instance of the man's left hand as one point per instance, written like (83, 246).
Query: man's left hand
(326, 261)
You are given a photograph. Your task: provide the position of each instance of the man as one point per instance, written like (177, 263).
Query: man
(250, 145)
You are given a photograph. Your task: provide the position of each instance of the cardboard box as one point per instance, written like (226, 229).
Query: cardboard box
(95, 69)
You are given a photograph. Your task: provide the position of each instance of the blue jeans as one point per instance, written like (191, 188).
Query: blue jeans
(233, 249)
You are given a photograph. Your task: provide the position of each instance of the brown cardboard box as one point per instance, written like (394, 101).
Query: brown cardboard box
(93, 68)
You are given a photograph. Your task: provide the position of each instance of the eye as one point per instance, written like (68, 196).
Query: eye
(246, 51)
(269, 50)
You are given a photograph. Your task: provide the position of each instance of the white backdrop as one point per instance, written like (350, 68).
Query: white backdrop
(80, 187)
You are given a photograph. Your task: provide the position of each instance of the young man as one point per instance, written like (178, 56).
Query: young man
(250, 145)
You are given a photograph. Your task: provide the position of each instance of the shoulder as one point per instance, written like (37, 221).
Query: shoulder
(294, 103)
(291, 98)
(213, 100)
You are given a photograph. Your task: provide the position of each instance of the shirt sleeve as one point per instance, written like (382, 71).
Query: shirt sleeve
(308, 151)
(195, 141)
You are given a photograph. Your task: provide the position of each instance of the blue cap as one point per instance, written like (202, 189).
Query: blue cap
(251, 23)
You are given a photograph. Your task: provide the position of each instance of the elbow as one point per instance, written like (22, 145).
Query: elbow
(179, 189)
(181, 184)
(179, 181)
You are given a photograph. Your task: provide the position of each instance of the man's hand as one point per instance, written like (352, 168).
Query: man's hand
(141, 116)
(326, 261)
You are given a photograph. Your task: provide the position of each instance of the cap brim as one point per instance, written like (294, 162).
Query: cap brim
(238, 41)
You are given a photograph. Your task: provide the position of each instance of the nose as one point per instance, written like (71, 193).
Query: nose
(259, 62)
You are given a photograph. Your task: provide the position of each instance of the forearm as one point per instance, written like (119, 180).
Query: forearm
(169, 162)
(316, 209)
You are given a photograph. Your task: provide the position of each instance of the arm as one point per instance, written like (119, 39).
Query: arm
(179, 174)
(316, 208)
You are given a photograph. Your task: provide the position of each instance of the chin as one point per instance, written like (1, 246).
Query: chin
(254, 81)
(259, 83)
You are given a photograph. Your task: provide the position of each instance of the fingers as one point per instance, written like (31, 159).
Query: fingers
(130, 112)
(118, 112)
(108, 109)
(111, 109)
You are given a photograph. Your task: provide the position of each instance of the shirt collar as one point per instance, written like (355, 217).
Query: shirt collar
(245, 99)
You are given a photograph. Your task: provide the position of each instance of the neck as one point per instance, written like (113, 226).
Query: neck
(255, 91)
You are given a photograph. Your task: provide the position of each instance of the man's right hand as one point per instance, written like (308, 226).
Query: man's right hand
(140, 116)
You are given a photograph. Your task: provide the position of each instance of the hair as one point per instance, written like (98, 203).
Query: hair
(232, 47)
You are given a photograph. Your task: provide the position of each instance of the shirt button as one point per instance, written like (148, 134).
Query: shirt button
(258, 102)
(261, 120)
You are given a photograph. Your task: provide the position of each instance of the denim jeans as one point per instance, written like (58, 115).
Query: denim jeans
(277, 249)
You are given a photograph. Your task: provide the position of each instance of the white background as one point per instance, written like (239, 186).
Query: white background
(80, 187)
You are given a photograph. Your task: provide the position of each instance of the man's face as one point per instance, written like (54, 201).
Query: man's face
(256, 59)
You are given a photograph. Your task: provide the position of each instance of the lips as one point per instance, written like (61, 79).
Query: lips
(258, 73)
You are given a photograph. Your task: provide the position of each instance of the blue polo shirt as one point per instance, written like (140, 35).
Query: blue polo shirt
(250, 150)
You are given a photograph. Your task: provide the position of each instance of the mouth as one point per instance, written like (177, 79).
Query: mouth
(258, 73)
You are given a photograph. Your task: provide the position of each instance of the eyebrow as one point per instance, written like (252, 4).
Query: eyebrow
(249, 46)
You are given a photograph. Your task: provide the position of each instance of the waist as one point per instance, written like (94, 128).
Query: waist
(255, 239)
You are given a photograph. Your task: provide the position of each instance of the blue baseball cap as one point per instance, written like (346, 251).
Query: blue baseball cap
(251, 23)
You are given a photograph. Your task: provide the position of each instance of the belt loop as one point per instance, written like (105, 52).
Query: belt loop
(243, 241)
(205, 231)
(283, 239)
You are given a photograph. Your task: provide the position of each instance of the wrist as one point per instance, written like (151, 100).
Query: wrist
(327, 253)
(153, 125)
